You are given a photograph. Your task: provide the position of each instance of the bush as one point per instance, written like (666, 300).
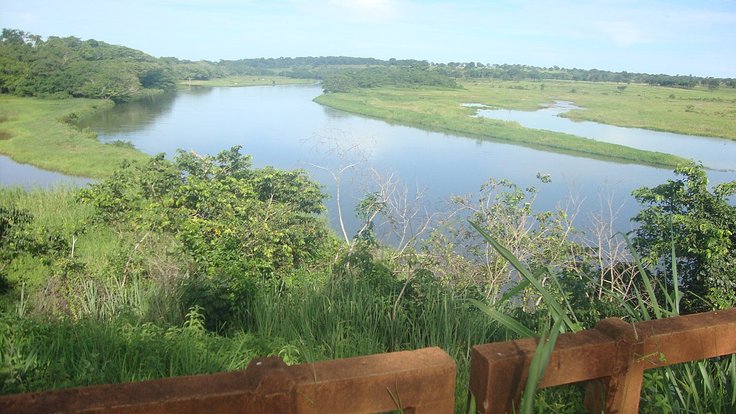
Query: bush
(684, 220)
(238, 227)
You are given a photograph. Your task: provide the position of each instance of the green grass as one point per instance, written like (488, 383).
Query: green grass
(248, 81)
(697, 111)
(344, 318)
(313, 322)
(57, 211)
(642, 106)
(41, 354)
(37, 131)
(317, 320)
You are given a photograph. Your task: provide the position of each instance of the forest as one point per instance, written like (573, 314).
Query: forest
(70, 67)
(190, 263)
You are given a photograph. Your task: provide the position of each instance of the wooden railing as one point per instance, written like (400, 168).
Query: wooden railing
(613, 356)
(421, 382)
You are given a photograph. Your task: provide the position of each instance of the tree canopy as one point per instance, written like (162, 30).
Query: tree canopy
(70, 67)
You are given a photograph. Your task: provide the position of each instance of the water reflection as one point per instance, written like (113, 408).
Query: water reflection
(335, 113)
(281, 126)
(133, 116)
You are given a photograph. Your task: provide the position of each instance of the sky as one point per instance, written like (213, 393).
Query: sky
(684, 37)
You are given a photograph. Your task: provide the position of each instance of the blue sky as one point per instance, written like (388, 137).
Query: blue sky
(675, 37)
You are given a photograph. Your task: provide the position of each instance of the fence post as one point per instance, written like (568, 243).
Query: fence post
(276, 390)
(612, 358)
(620, 392)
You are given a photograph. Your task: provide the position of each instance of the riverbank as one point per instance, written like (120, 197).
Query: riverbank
(40, 132)
(698, 111)
(442, 110)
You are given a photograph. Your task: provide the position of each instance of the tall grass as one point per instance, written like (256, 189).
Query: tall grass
(46, 354)
(350, 317)
(118, 328)
(695, 387)
(337, 318)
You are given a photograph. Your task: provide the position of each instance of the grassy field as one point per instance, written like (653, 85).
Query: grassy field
(698, 111)
(249, 81)
(38, 132)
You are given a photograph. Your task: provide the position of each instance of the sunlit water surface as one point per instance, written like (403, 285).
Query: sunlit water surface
(281, 126)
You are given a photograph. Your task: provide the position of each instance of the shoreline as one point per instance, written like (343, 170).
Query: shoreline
(500, 131)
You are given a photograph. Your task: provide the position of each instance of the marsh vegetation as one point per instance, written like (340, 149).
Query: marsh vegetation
(199, 260)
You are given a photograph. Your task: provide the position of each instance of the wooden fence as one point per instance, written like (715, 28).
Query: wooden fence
(420, 382)
(612, 357)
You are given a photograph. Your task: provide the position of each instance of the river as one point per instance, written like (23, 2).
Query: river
(281, 126)
(715, 153)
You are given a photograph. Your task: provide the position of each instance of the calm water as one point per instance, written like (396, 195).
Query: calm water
(13, 174)
(282, 127)
(712, 152)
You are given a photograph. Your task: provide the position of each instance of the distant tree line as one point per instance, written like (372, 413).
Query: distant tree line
(71, 67)
(525, 72)
(373, 77)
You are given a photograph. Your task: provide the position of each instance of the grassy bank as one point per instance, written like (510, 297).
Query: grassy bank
(697, 111)
(248, 81)
(38, 131)
(442, 110)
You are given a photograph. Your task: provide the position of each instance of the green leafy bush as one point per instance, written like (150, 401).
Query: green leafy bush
(238, 226)
(698, 224)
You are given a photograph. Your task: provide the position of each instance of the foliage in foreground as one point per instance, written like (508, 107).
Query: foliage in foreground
(237, 226)
(701, 387)
(201, 263)
(684, 220)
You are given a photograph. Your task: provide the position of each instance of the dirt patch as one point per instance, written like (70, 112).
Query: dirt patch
(5, 135)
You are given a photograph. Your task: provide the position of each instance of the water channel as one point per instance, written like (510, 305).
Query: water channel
(14, 174)
(282, 127)
(715, 153)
